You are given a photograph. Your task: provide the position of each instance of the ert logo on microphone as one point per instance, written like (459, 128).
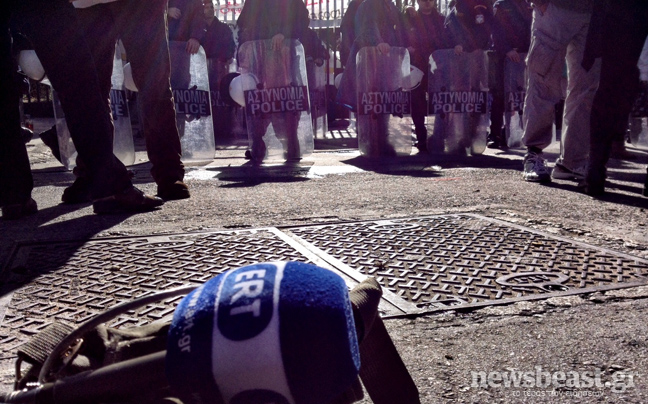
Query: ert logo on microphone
(245, 305)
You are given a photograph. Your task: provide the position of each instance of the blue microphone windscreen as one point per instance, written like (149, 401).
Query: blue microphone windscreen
(265, 333)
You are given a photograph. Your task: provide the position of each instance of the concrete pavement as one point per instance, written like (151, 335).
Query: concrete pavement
(594, 332)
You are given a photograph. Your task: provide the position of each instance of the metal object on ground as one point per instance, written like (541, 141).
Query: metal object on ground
(424, 264)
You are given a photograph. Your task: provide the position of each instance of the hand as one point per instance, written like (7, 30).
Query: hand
(458, 50)
(383, 48)
(175, 13)
(192, 46)
(513, 56)
(411, 11)
(277, 42)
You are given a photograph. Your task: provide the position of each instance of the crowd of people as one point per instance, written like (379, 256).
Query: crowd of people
(582, 53)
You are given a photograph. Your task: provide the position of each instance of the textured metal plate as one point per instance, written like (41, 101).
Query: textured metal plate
(449, 262)
(72, 282)
(425, 264)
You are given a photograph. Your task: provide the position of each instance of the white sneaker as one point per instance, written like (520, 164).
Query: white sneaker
(535, 168)
(560, 172)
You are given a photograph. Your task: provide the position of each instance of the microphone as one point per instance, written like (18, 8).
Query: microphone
(277, 332)
(265, 333)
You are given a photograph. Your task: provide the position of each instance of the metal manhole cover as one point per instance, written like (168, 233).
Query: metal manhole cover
(427, 263)
(74, 281)
(456, 261)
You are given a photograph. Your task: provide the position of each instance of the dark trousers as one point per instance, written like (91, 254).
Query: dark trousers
(16, 181)
(496, 65)
(53, 29)
(141, 25)
(420, 110)
(624, 34)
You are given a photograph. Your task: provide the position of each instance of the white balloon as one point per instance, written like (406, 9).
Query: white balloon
(31, 65)
(129, 83)
(337, 80)
(414, 79)
(240, 84)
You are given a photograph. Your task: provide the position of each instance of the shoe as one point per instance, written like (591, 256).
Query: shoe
(131, 200)
(422, 147)
(26, 134)
(18, 210)
(594, 182)
(495, 142)
(173, 191)
(535, 169)
(78, 192)
(50, 138)
(560, 172)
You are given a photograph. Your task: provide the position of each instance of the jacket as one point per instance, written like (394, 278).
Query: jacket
(469, 24)
(263, 19)
(426, 34)
(511, 26)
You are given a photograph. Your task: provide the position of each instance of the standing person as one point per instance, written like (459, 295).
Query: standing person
(186, 23)
(559, 29)
(511, 37)
(347, 30)
(617, 35)
(219, 46)
(274, 20)
(469, 25)
(426, 34)
(16, 182)
(53, 29)
(218, 40)
(143, 30)
(377, 23)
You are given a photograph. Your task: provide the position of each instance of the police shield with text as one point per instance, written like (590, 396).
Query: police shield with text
(458, 100)
(190, 85)
(384, 104)
(275, 94)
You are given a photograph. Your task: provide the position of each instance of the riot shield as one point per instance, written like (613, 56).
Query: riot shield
(123, 146)
(277, 110)
(514, 93)
(67, 150)
(222, 109)
(383, 124)
(317, 94)
(638, 123)
(190, 85)
(458, 100)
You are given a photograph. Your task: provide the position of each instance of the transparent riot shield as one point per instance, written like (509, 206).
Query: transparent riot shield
(458, 100)
(277, 110)
(67, 150)
(638, 123)
(514, 93)
(317, 94)
(123, 146)
(222, 109)
(383, 124)
(190, 85)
